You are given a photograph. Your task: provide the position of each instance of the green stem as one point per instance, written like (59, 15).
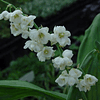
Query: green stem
(81, 70)
(60, 52)
(65, 89)
(36, 26)
(84, 96)
(69, 93)
(8, 3)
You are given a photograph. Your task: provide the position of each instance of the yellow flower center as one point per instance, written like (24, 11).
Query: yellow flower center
(89, 79)
(16, 16)
(41, 35)
(61, 35)
(45, 51)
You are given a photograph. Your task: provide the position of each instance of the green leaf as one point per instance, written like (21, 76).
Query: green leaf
(85, 65)
(94, 69)
(89, 56)
(92, 34)
(14, 89)
(97, 44)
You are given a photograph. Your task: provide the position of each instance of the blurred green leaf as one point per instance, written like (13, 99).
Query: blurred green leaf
(44, 8)
(97, 44)
(89, 56)
(13, 89)
(92, 34)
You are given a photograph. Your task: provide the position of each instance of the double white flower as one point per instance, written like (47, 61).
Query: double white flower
(62, 62)
(86, 83)
(41, 36)
(33, 46)
(61, 36)
(70, 78)
(46, 53)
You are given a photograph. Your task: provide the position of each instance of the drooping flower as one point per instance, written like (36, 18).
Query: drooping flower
(68, 61)
(27, 21)
(33, 46)
(65, 79)
(5, 15)
(45, 53)
(62, 79)
(53, 39)
(82, 86)
(89, 79)
(16, 16)
(67, 53)
(62, 35)
(25, 34)
(75, 73)
(14, 30)
(59, 62)
(40, 35)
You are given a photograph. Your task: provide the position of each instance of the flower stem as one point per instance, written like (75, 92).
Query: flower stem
(84, 96)
(8, 3)
(36, 26)
(69, 93)
(60, 51)
(81, 70)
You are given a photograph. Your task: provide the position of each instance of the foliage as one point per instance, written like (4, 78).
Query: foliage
(41, 8)
(88, 64)
(77, 39)
(89, 55)
(44, 8)
(19, 89)
(44, 78)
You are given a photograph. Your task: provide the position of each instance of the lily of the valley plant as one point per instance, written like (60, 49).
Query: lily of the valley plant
(21, 24)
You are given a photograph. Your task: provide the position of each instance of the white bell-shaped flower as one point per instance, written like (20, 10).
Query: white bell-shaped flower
(40, 35)
(83, 86)
(5, 15)
(75, 73)
(62, 35)
(25, 34)
(27, 21)
(68, 61)
(53, 39)
(46, 53)
(89, 79)
(62, 79)
(65, 79)
(71, 81)
(14, 30)
(67, 53)
(33, 46)
(59, 62)
(16, 16)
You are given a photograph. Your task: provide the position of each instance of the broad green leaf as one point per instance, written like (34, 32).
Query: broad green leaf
(14, 89)
(94, 69)
(89, 56)
(85, 65)
(92, 34)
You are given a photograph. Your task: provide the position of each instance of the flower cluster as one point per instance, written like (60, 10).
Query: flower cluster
(86, 83)
(62, 62)
(19, 24)
(72, 78)
(39, 37)
(69, 78)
